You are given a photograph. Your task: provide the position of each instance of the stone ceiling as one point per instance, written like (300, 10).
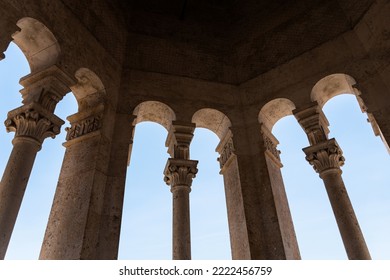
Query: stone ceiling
(229, 41)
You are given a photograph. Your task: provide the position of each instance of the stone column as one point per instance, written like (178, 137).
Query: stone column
(239, 242)
(80, 189)
(32, 124)
(326, 157)
(274, 164)
(259, 207)
(115, 188)
(179, 173)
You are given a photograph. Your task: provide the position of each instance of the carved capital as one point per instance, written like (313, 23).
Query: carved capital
(325, 156)
(180, 172)
(34, 122)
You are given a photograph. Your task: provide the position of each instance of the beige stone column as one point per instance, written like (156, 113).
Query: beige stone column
(274, 164)
(31, 124)
(239, 243)
(258, 205)
(326, 158)
(179, 173)
(80, 190)
(115, 187)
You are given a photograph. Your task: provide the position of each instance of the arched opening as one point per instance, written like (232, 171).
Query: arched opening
(32, 219)
(146, 231)
(365, 156)
(271, 113)
(364, 173)
(38, 44)
(314, 223)
(336, 84)
(209, 200)
(275, 110)
(9, 94)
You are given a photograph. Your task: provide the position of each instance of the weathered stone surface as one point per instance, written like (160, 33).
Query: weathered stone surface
(229, 66)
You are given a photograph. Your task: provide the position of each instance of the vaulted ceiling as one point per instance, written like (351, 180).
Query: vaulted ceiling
(228, 40)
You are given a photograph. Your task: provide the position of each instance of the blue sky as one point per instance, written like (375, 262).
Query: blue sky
(146, 228)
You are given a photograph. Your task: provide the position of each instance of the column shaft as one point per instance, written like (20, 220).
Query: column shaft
(179, 174)
(326, 157)
(181, 223)
(13, 186)
(347, 222)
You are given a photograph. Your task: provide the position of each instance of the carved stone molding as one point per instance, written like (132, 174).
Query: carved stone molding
(226, 153)
(179, 139)
(33, 121)
(84, 126)
(46, 87)
(270, 144)
(180, 172)
(314, 122)
(324, 156)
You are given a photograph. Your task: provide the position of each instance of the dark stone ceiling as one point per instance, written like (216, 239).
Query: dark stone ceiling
(229, 41)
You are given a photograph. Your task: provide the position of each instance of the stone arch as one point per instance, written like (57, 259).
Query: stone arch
(336, 84)
(154, 111)
(37, 42)
(90, 94)
(212, 119)
(89, 90)
(274, 110)
(331, 86)
(268, 116)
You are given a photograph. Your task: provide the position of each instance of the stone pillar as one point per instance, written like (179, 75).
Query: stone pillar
(247, 235)
(239, 242)
(32, 124)
(80, 190)
(326, 157)
(263, 231)
(179, 173)
(274, 164)
(110, 226)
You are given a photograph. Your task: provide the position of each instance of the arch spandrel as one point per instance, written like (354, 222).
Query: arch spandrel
(37, 42)
(274, 110)
(213, 120)
(154, 111)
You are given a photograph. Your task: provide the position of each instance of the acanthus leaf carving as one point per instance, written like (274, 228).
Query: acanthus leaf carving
(30, 121)
(180, 172)
(324, 156)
